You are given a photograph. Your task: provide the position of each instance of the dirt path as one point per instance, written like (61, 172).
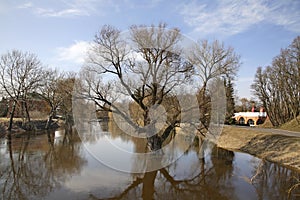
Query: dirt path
(277, 146)
(270, 130)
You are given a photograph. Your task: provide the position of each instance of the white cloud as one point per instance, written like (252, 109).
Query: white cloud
(229, 17)
(61, 13)
(26, 5)
(75, 53)
(72, 8)
(285, 13)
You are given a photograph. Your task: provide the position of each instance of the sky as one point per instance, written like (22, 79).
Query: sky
(59, 32)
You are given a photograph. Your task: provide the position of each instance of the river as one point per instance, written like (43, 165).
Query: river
(62, 165)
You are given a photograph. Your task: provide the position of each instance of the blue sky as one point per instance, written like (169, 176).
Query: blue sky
(60, 31)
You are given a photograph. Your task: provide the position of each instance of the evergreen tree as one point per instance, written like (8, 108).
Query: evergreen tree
(230, 105)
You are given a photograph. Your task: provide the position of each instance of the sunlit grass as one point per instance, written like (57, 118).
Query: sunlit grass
(6, 119)
(292, 125)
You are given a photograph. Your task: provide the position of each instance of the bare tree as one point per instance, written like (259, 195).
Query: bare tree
(49, 92)
(277, 86)
(146, 68)
(64, 89)
(212, 61)
(145, 75)
(20, 74)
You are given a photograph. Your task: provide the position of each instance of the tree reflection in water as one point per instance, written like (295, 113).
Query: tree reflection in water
(271, 181)
(213, 176)
(196, 184)
(33, 167)
(39, 167)
(164, 184)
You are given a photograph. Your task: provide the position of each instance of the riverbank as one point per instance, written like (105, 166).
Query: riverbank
(18, 127)
(293, 125)
(272, 147)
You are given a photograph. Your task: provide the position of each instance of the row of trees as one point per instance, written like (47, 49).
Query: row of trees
(278, 87)
(148, 75)
(23, 77)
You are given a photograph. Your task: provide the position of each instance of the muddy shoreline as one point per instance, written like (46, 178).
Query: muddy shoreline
(34, 126)
(281, 149)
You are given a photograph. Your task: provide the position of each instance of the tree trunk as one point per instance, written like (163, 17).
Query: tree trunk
(148, 185)
(49, 120)
(154, 142)
(146, 117)
(27, 111)
(50, 137)
(12, 163)
(69, 123)
(203, 108)
(12, 112)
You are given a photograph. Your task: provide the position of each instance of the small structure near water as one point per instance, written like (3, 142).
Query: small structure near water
(250, 118)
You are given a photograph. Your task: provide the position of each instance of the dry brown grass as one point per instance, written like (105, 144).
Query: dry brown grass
(272, 147)
(266, 124)
(19, 128)
(292, 125)
(5, 119)
(233, 137)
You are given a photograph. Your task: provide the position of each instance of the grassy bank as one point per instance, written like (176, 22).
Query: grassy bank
(292, 125)
(273, 147)
(19, 128)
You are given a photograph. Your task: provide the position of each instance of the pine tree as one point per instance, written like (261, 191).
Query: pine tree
(230, 105)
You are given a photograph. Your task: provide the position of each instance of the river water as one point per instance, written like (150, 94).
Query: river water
(58, 165)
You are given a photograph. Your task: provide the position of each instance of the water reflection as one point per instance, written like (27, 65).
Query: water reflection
(56, 165)
(31, 167)
(270, 181)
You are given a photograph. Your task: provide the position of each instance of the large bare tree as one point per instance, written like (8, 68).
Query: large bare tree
(148, 67)
(20, 74)
(146, 75)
